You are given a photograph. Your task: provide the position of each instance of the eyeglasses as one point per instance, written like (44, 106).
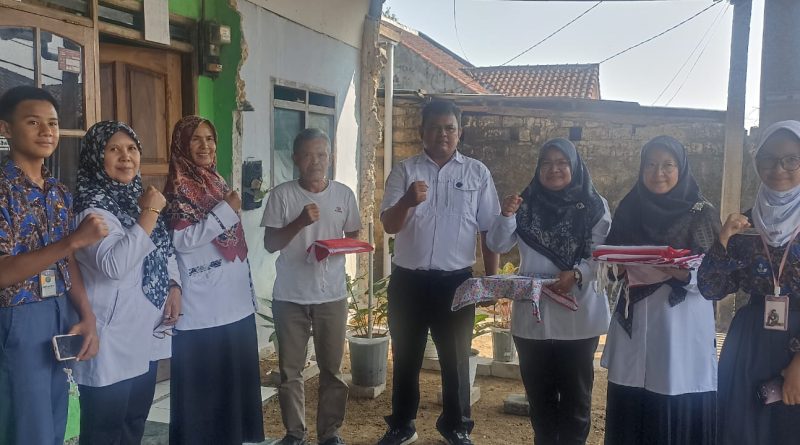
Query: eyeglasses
(448, 129)
(558, 165)
(667, 167)
(789, 163)
(163, 331)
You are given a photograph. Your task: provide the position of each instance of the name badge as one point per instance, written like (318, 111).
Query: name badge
(47, 283)
(776, 312)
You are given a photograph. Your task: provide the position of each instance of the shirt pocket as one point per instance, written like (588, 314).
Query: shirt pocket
(463, 197)
(105, 312)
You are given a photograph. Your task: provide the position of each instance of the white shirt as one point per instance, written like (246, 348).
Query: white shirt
(216, 291)
(672, 348)
(299, 280)
(558, 323)
(112, 271)
(440, 232)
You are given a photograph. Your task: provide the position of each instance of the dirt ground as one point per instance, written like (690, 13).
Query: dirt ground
(364, 423)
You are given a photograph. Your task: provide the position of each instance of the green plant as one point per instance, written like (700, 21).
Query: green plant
(269, 321)
(480, 326)
(359, 312)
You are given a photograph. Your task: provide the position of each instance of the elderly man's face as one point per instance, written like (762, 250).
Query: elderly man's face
(313, 159)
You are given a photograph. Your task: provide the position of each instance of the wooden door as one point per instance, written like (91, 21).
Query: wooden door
(142, 87)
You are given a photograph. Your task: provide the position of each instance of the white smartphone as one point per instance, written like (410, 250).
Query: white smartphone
(67, 346)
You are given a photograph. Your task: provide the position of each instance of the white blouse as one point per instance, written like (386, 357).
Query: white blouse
(558, 322)
(216, 291)
(672, 348)
(112, 271)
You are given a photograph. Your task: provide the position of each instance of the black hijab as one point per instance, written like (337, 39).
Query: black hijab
(558, 224)
(680, 218)
(644, 217)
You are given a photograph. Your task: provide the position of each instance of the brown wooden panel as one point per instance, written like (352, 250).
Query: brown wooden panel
(107, 98)
(148, 112)
(147, 95)
(156, 181)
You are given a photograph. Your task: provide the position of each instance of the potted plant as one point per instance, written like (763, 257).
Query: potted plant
(368, 336)
(479, 327)
(502, 342)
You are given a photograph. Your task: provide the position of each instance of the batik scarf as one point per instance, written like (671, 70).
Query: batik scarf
(97, 190)
(193, 191)
(558, 224)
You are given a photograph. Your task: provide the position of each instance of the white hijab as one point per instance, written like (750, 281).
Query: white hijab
(777, 214)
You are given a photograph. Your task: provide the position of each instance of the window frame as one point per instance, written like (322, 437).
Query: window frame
(306, 108)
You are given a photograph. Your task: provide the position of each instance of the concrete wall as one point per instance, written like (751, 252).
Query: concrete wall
(285, 50)
(507, 139)
(412, 72)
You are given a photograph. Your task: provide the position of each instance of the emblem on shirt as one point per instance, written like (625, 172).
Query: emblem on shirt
(338, 210)
(761, 267)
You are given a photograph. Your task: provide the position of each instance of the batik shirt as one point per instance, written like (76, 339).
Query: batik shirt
(31, 218)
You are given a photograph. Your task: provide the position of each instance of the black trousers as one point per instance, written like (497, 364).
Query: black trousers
(115, 414)
(419, 301)
(558, 376)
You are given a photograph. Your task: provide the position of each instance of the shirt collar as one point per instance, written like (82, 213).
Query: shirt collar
(457, 157)
(15, 174)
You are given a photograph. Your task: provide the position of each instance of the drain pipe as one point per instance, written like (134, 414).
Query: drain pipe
(388, 153)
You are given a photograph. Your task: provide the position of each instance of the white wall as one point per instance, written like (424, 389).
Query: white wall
(285, 50)
(330, 17)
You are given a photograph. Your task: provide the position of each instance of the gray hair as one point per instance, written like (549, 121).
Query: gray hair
(309, 134)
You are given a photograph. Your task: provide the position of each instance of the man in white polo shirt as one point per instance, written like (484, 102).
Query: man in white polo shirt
(310, 294)
(436, 203)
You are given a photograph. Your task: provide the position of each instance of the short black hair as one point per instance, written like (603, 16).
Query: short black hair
(15, 96)
(439, 107)
(307, 135)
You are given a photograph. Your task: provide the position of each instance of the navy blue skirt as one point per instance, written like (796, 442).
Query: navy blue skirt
(636, 416)
(751, 356)
(215, 386)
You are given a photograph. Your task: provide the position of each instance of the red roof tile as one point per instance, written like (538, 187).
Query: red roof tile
(575, 81)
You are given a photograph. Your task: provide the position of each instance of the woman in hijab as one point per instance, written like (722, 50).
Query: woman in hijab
(660, 350)
(133, 291)
(215, 386)
(760, 356)
(558, 219)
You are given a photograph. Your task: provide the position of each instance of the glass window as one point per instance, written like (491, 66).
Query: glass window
(63, 164)
(16, 64)
(77, 7)
(294, 110)
(287, 124)
(62, 76)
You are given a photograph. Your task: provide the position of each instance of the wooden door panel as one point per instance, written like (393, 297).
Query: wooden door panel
(141, 86)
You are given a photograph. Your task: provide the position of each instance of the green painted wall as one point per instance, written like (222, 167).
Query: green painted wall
(216, 97)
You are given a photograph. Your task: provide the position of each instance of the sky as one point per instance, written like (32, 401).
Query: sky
(695, 54)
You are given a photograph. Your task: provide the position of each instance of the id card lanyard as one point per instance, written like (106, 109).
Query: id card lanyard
(776, 278)
(776, 306)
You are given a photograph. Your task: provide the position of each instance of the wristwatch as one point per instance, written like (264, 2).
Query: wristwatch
(578, 276)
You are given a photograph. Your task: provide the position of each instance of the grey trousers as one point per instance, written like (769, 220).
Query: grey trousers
(293, 324)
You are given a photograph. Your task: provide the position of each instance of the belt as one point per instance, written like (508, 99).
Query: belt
(434, 272)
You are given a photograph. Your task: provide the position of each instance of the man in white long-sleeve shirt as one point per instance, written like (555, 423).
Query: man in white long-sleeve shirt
(436, 203)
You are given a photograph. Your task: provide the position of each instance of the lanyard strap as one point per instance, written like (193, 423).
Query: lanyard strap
(776, 278)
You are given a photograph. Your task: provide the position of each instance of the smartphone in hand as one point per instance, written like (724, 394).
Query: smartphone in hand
(67, 347)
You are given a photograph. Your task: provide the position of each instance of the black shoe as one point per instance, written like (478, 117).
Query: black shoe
(399, 436)
(456, 437)
(291, 440)
(335, 440)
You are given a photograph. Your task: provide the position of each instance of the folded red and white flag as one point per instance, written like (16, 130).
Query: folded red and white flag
(321, 249)
(647, 255)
